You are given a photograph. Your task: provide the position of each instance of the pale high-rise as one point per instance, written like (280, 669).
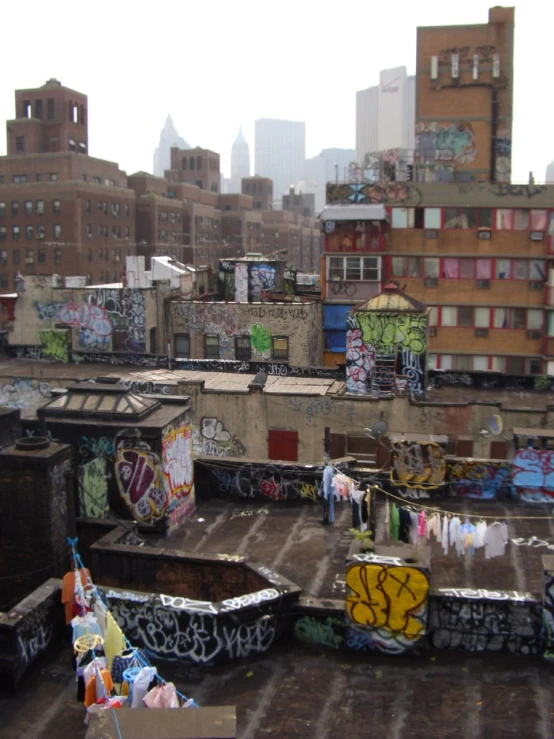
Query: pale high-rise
(280, 153)
(240, 162)
(385, 114)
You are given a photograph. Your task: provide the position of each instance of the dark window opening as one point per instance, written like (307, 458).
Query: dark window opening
(181, 343)
(243, 348)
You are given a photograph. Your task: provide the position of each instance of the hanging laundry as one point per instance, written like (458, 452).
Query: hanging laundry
(115, 641)
(414, 528)
(141, 684)
(92, 690)
(454, 530)
(82, 625)
(496, 539)
(69, 595)
(479, 538)
(164, 696)
(394, 522)
(405, 525)
(466, 536)
(329, 494)
(422, 525)
(444, 533)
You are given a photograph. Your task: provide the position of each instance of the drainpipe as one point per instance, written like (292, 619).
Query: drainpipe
(494, 131)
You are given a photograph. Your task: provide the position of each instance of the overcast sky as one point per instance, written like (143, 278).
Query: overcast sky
(216, 64)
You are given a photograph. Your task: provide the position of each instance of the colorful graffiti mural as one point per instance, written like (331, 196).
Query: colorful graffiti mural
(100, 315)
(448, 142)
(420, 465)
(260, 341)
(533, 474)
(389, 603)
(178, 473)
(262, 277)
(241, 282)
(486, 480)
(380, 347)
(54, 344)
(367, 193)
(139, 476)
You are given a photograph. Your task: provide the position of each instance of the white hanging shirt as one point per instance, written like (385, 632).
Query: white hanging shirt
(496, 539)
(480, 532)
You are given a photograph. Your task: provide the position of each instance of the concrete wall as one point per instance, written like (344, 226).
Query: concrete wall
(300, 322)
(86, 319)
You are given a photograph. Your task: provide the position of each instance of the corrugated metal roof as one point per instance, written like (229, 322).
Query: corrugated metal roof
(334, 316)
(376, 212)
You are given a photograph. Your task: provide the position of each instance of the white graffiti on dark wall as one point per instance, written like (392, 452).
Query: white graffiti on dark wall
(478, 626)
(177, 634)
(35, 630)
(188, 604)
(250, 599)
(482, 594)
(31, 646)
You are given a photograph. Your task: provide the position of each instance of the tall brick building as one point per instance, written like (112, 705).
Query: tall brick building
(464, 92)
(60, 209)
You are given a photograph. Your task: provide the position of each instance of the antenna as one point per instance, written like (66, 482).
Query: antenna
(495, 425)
(378, 429)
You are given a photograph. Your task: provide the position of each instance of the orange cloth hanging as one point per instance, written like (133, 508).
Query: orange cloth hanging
(68, 591)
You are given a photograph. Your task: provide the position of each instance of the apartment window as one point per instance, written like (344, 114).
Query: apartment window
(211, 347)
(3, 257)
(2, 208)
(534, 319)
(71, 143)
(483, 269)
(127, 211)
(172, 217)
(451, 268)
(533, 367)
(198, 162)
(509, 318)
(414, 267)
(163, 215)
(28, 207)
(3, 232)
(482, 317)
(15, 207)
(184, 163)
(38, 108)
(38, 177)
(480, 364)
(459, 218)
(53, 177)
(282, 445)
(191, 163)
(459, 362)
(40, 232)
(537, 270)
(87, 206)
(40, 207)
(115, 277)
(448, 316)
(243, 349)
(90, 255)
(29, 256)
(354, 268)
(20, 143)
(116, 255)
(402, 218)
(433, 316)
(99, 204)
(15, 233)
(88, 231)
(29, 232)
(56, 206)
(15, 256)
(397, 266)
(432, 218)
(19, 178)
(50, 109)
(280, 348)
(127, 232)
(57, 256)
(4, 281)
(181, 344)
(100, 253)
(115, 209)
(105, 208)
(465, 316)
(539, 220)
(57, 231)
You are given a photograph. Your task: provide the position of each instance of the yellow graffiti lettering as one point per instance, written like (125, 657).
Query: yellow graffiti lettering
(308, 491)
(387, 598)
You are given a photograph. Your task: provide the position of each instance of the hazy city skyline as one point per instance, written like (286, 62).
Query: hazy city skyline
(128, 104)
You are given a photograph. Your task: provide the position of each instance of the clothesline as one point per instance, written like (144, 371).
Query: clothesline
(96, 592)
(458, 513)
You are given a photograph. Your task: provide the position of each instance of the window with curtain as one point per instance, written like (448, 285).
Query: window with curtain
(519, 269)
(414, 267)
(432, 361)
(446, 361)
(515, 365)
(451, 267)
(518, 318)
(431, 267)
(336, 268)
(448, 316)
(502, 269)
(498, 364)
(504, 219)
(432, 218)
(463, 362)
(480, 364)
(551, 223)
(521, 219)
(467, 268)
(433, 316)
(500, 318)
(482, 317)
(451, 219)
(397, 266)
(537, 270)
(539, 220)
(534, 319)
(550, 323)
(483, 269)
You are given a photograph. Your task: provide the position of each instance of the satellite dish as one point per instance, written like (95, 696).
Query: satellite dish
(378, 429)
(496, 425)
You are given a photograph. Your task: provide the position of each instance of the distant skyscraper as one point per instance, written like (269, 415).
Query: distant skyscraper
(162, 155)
(549, 179)
(385, 114)
(328, 166)
(240, 162)
(280, 153)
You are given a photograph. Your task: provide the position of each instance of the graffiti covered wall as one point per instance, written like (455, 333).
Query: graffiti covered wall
(258, 324)
(448, 142)
(178, 473)
(533, 474)
(418, 464)
(481, 479)
(387, 604)
(385, 352)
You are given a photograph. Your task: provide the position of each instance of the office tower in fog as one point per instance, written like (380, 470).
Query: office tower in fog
(280, 153)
